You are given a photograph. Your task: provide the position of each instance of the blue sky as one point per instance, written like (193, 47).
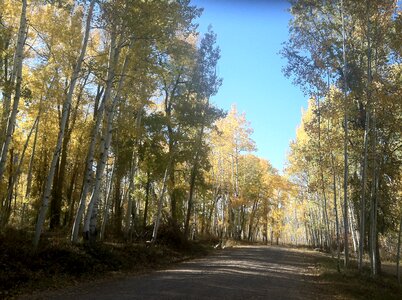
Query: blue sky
(250, 34)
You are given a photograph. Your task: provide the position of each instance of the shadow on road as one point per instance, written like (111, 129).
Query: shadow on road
(250, 272)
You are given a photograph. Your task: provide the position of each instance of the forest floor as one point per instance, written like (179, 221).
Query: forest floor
(240, 272)
(58, 264)
(350, 284)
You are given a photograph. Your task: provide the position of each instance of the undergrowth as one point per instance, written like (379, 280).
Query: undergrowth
(352, 284)
(57, 262)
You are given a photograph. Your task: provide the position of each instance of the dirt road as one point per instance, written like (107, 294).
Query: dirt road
(251, 272)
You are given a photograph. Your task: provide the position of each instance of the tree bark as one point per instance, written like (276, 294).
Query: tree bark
(66, 108)
(252, 216)
(91, 217)
(326, 219)
(366, 138)
(57, 198)
(338, 250)
(373, 211)
(5, 214)
(147, 190)
(90, 157)
(31, 161)
(363, 193)
(89, 231)
(68, 218)
(168, 103)
(107, 204)
(352, 228)
(133, 173)
(398, 254)
(160, 200)
(193, 175)
(345, 144)
(17, 77)
(98, 114)
(190, 197)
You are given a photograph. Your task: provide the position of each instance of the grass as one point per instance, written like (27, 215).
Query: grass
(351, 284)
(57, 263)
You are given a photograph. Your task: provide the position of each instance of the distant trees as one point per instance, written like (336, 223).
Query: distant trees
(348, 67)
(247, 191)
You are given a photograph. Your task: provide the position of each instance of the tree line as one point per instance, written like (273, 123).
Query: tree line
(108, 130)
(347, 158)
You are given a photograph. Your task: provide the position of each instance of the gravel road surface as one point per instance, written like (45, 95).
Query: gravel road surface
(249, 272)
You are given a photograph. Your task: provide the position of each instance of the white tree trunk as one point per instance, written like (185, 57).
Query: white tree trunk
(66, 108)
(91, 216)
(338, 250)
(133, 172)
(353, 230)
(398, 254)
(16, 75)
(113, 58)
(366, 137)
(18, 170)
(31, 161)
(160, 200)
(345, 144)
(106, 209)
(320, 158)
(14, 178)
(92, 211)
(193, 176)
(374, 259)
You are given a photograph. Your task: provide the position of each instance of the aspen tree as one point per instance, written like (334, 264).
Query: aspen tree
(91, 215)
(345, 142)
(208, 83)
(15, 82)
(65, 112)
